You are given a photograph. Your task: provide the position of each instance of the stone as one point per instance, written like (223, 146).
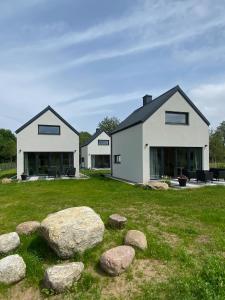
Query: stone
(116, 260)
(6, 180)
(28, 227)
(62, 277)
(117, 221)
(12, 269)
(158, 185)
(72, 230)
(137, 239)
(9, 242)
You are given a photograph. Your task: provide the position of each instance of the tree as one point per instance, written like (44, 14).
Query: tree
(216, 146)
(221, 129)
(7, 145)
(109, 124)
(84, 136)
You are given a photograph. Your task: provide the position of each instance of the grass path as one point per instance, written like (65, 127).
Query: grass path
(185, 231)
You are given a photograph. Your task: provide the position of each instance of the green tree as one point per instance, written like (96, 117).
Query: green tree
(216, 146)
(84, 136)
(221, 129)
(109, 124)
(7, 145)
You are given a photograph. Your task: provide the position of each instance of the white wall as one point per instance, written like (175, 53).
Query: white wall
(28, 140)
(157, 133)
(128, 144)
(94, 149)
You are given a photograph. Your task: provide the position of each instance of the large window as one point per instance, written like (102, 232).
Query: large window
(49, 129)
(180, 118)
(103, 142)
(117, 159)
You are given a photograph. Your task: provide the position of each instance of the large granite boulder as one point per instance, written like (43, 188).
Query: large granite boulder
(117, 221)
(28, 227)
(72, 230)
(61, 277)
(158, 185)
(9, 242)
(12, 269)
(116, 260)
(136, 238)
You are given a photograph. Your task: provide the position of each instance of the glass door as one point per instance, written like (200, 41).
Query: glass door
(156, 162)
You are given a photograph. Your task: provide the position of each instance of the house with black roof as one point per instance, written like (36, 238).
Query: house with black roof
(163, 137)
(96, 152)
(47, 145)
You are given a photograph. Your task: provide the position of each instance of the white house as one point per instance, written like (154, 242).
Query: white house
(96, 152)
(47, 145)
(163, 137)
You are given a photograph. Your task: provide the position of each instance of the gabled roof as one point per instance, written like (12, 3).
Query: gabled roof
(143, 113)
(93, 137)
(48, 108)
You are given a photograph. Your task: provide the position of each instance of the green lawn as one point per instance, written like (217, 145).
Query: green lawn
(7, 173)
(185, 231)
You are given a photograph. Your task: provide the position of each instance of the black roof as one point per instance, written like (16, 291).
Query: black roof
(143, 113)
(40, 114)
(93, 137)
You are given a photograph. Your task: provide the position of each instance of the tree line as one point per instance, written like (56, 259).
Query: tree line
(216, 141)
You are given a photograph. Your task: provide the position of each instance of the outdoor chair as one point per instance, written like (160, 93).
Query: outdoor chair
(189, 174)
(218, 173)
(204, 176)
(71, 171)
(52, 172)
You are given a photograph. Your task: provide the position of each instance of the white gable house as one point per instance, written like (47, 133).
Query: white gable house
(96, 152)
(47, 146)
(162, 138)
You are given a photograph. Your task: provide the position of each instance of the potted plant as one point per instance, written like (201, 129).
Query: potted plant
(24, 176)
(182, 180)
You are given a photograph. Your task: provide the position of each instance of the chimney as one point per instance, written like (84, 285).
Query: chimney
(147, 99)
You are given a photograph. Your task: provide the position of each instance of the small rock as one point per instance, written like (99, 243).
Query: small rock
(61, 277)
(117, 221)
(72, 230)
(9, 242)
(12, 269)
(116, 260)
(158, 185)
(27, 227)
(6, 180)
(137, 239)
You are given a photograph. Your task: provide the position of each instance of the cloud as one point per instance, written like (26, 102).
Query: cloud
(210, 98)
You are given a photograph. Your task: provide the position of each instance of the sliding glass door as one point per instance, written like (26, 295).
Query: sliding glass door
(170, 161)
(41, 163)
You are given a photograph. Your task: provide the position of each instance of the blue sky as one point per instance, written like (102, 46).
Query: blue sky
(92, 58)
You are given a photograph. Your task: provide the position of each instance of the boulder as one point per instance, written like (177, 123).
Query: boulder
(12, 269)
(117, 221)
(9, 242)
(158, 185)
(136, 238)
(27, 227)
(6, 180)
(72, 230)
(116, 260)
(61, 277)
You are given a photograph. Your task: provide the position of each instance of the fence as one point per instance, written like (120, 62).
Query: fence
(7, 166)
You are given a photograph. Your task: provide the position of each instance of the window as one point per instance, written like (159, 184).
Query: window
(103, 142)
(82, 159)
(181, 118)
(117, 159)
(49, 129)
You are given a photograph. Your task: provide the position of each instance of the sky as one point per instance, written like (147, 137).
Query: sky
(94, 58)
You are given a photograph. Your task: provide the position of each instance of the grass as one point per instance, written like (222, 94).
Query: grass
(7, 173)
(184, 229)
(218, 165)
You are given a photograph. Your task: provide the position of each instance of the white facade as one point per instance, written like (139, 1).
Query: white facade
(29, 140)
(133, 144)
(94, 148)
